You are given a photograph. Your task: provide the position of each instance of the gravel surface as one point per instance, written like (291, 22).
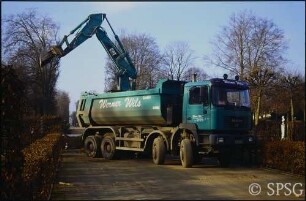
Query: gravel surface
(83, 178)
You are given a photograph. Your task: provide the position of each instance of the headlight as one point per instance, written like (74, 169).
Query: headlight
(220, 139)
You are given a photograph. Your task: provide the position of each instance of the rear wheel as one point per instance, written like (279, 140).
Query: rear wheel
(108, 147)
(92, 146)
(158, 151)
(186, 154)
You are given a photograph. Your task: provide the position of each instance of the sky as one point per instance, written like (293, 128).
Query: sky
(196, 23)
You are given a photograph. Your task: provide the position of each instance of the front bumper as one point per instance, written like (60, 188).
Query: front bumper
(231, 140)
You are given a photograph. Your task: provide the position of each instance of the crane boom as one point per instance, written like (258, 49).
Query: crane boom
(119, 56)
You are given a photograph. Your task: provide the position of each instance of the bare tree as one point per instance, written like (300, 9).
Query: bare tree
(177, 58)
(260, 80)
(145, 55)
(74, 121)
(292, 83)
(26, 37)
(62, 105)
(251, 47)
(285, 95)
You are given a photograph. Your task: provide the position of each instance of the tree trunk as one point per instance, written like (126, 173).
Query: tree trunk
(257, 111)
(287, 127)
(292, 118)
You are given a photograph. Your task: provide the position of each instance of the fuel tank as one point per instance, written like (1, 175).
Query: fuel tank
(159, 106)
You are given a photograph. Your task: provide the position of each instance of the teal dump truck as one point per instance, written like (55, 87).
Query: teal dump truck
(190, 120)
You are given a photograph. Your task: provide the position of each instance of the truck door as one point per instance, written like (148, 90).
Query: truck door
(198, 107)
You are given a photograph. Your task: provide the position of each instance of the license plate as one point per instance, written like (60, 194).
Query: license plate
(238, 141)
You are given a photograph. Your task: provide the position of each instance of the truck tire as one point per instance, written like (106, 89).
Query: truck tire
(108, 147)
(92, 146)
(186, 154)
(158, 151)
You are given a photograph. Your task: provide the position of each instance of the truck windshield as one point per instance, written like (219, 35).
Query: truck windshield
(222, 96)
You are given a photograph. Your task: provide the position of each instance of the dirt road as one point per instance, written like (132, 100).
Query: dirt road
(82, 178)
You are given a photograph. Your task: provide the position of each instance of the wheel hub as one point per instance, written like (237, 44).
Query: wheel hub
(108, 147)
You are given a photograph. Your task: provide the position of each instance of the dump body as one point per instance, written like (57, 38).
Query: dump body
(159, 106)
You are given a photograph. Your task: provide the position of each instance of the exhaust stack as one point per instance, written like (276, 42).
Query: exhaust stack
(194, 77)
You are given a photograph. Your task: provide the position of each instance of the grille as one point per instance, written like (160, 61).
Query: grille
(235, 122)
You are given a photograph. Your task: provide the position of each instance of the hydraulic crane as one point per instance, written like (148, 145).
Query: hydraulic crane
(86, 29)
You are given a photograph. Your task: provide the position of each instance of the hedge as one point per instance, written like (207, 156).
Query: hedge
(270, 130)
(284, 155)
(35, 127)
(40, 163)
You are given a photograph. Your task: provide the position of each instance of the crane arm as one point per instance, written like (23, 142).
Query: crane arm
(93, 22)
(121, 59)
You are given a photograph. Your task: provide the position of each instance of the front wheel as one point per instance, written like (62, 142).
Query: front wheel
(158, 151)
(108, 147)
(186, 154)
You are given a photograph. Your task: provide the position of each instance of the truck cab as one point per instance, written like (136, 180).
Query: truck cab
(220, 111)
